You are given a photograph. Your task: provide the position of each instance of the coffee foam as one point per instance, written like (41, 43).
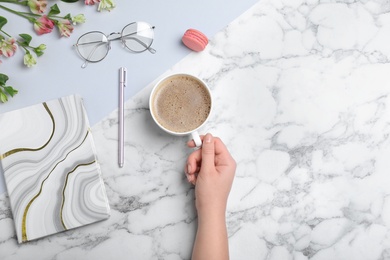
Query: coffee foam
(181, 104)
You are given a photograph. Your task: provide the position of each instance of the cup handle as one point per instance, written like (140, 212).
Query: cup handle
(196, 138)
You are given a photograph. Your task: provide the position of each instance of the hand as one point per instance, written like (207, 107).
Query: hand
(211, 169)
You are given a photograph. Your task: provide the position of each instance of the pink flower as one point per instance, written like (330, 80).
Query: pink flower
(91, 2)
(65, 27)
(8, 47)
(43, 25)
(37, 6)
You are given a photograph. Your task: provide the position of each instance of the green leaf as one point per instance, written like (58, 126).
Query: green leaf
(68, 17)
(3, 21)
(70, 1)
(54, 10)
(11, 91)
(3, 97)
(26, 37)
(6, 90)
(3, 79)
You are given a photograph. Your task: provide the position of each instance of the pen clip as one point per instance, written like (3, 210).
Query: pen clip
(123, 76)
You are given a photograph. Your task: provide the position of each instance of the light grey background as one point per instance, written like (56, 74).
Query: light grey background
(59, 73)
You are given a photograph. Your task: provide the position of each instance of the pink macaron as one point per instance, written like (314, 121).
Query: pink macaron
(195, 40)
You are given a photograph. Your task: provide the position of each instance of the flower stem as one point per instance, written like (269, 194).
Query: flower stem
(58, 17)
(5, 33)
(18, 13)
(24, 47)
(30, 14)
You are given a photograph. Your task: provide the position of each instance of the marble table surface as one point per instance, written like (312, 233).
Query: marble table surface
(302, 100)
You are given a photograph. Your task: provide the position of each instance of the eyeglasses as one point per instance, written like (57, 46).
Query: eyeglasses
(94, 46)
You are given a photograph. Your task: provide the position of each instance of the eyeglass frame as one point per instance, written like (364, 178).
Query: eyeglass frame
(121, 37)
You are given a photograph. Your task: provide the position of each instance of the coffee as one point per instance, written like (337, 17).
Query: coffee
(181, 103)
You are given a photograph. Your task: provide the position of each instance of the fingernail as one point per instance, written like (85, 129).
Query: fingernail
(188, 177)
(208, 138)
(188, 168)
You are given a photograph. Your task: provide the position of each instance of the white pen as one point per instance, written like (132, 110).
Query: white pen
(121, 135)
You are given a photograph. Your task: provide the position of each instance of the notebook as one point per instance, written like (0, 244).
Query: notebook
(52, 175)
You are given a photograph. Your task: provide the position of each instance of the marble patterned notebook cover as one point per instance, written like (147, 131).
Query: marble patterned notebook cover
(48, 158)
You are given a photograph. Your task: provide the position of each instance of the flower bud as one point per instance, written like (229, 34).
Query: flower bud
(39, 50)
(42, 47)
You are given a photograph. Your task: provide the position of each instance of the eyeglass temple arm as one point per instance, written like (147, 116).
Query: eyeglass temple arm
(143, 44)
(137, 40)
(120, 37)
(86, 43)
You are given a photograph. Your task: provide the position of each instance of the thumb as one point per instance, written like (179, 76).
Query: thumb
(208, 153)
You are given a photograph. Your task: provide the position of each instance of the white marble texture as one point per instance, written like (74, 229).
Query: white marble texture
(302, 99)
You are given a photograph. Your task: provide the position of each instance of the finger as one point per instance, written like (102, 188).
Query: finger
(222, 153)
(220, 147)
(193, 162)
(191, 142)
(208, 153)
(191, 178)
(188, 171)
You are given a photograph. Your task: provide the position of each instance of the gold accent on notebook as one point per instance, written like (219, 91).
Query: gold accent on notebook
(63, 190)
(24, 225)
(17, 150)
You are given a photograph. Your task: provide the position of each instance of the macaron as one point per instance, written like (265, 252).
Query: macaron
(195, 40)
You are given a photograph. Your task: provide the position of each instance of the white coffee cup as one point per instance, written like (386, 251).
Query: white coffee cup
(181, 104)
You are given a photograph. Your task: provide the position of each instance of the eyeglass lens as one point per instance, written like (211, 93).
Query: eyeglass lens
(138, 36)
(93, 46)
